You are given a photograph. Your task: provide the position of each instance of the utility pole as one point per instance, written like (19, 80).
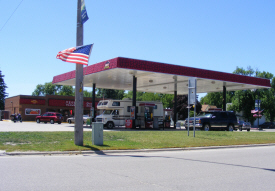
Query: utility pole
(78, 130)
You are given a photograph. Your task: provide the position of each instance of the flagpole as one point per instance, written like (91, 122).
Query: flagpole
(78, 130)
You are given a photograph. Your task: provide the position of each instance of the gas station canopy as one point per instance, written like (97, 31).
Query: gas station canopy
(117, 73)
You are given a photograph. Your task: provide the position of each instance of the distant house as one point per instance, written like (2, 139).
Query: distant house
(240, 116)
(207, 107)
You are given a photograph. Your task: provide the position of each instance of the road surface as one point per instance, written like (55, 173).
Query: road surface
(250, 168)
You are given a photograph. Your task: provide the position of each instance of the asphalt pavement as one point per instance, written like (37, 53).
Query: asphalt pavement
(238, 169)
(6, 126)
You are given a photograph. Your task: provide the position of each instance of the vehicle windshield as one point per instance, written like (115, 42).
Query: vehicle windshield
(107, 112)
(102, 103)
(204, 114)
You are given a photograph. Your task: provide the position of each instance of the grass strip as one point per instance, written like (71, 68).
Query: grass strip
(118, 140)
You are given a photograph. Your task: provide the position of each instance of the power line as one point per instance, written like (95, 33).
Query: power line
(11, 15)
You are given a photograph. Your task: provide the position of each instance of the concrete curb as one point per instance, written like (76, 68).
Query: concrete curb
(2, 153)
(104, 152)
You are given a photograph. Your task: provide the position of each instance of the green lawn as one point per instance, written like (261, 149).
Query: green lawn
(116, 140)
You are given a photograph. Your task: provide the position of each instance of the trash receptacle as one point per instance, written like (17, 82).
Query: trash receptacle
(167, 123)
(97, 134)
(178, 125)
(155, 123)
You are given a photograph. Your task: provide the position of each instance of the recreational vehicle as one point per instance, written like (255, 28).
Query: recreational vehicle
(116, 112)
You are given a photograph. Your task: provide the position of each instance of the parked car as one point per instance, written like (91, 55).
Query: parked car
(211, 120)
(52, 117)
(244, 125)
(72, 119)
(267, 125)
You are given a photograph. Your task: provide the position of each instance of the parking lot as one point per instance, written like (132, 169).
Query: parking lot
(33, 126)
(6, 126)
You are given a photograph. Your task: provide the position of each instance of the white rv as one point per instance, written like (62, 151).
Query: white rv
(115, 112)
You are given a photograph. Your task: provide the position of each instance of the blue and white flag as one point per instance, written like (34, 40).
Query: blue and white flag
(84, 15)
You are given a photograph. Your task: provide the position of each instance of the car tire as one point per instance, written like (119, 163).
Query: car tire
(110, 125)
(37, 120)
(45, 122)
(248, 129)
(59, 122)
(69, 121)
(52, 121)
(230, 127)
(206, 127)
(241, 129)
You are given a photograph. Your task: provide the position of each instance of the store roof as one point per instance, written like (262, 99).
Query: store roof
(117, 73)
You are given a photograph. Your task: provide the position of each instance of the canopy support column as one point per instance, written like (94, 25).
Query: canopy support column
(175, 101)
(93, 103)
(224, 99)
(134, 100)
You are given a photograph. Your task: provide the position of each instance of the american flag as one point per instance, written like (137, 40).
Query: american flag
(78, 55)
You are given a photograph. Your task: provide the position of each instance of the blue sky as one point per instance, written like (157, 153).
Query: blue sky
(216, 35)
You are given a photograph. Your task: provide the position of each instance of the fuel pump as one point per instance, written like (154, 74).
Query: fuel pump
(147, 113)
(167, 117)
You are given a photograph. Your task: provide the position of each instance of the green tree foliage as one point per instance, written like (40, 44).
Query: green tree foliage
(242, 71)
(87, 93)
(245, 100)
(139, 95)
(110, 93)
(68, 91)
(3, 93)
(268, 103)
(52, 89)
(182, 110)
(216, 98)
(264, 74)
(39, 90)
(166, 99)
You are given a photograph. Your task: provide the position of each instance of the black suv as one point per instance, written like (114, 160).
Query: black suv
(211, 120)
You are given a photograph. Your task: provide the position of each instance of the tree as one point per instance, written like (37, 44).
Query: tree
(248, 72)
(39, 90)
(3, 93)
(67, 91)
(216, 98)
(182, 110)
(244, 100)
(213, 98)
(167, 100)
(52, 89)
(268, 104)
(110, 93)
(129, 94)
(87, 93)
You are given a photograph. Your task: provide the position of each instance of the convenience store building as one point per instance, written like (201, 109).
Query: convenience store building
(31, 106)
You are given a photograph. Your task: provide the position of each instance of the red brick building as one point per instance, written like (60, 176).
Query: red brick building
(31, 106)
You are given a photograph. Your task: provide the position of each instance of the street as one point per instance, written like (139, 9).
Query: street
(250, 168)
